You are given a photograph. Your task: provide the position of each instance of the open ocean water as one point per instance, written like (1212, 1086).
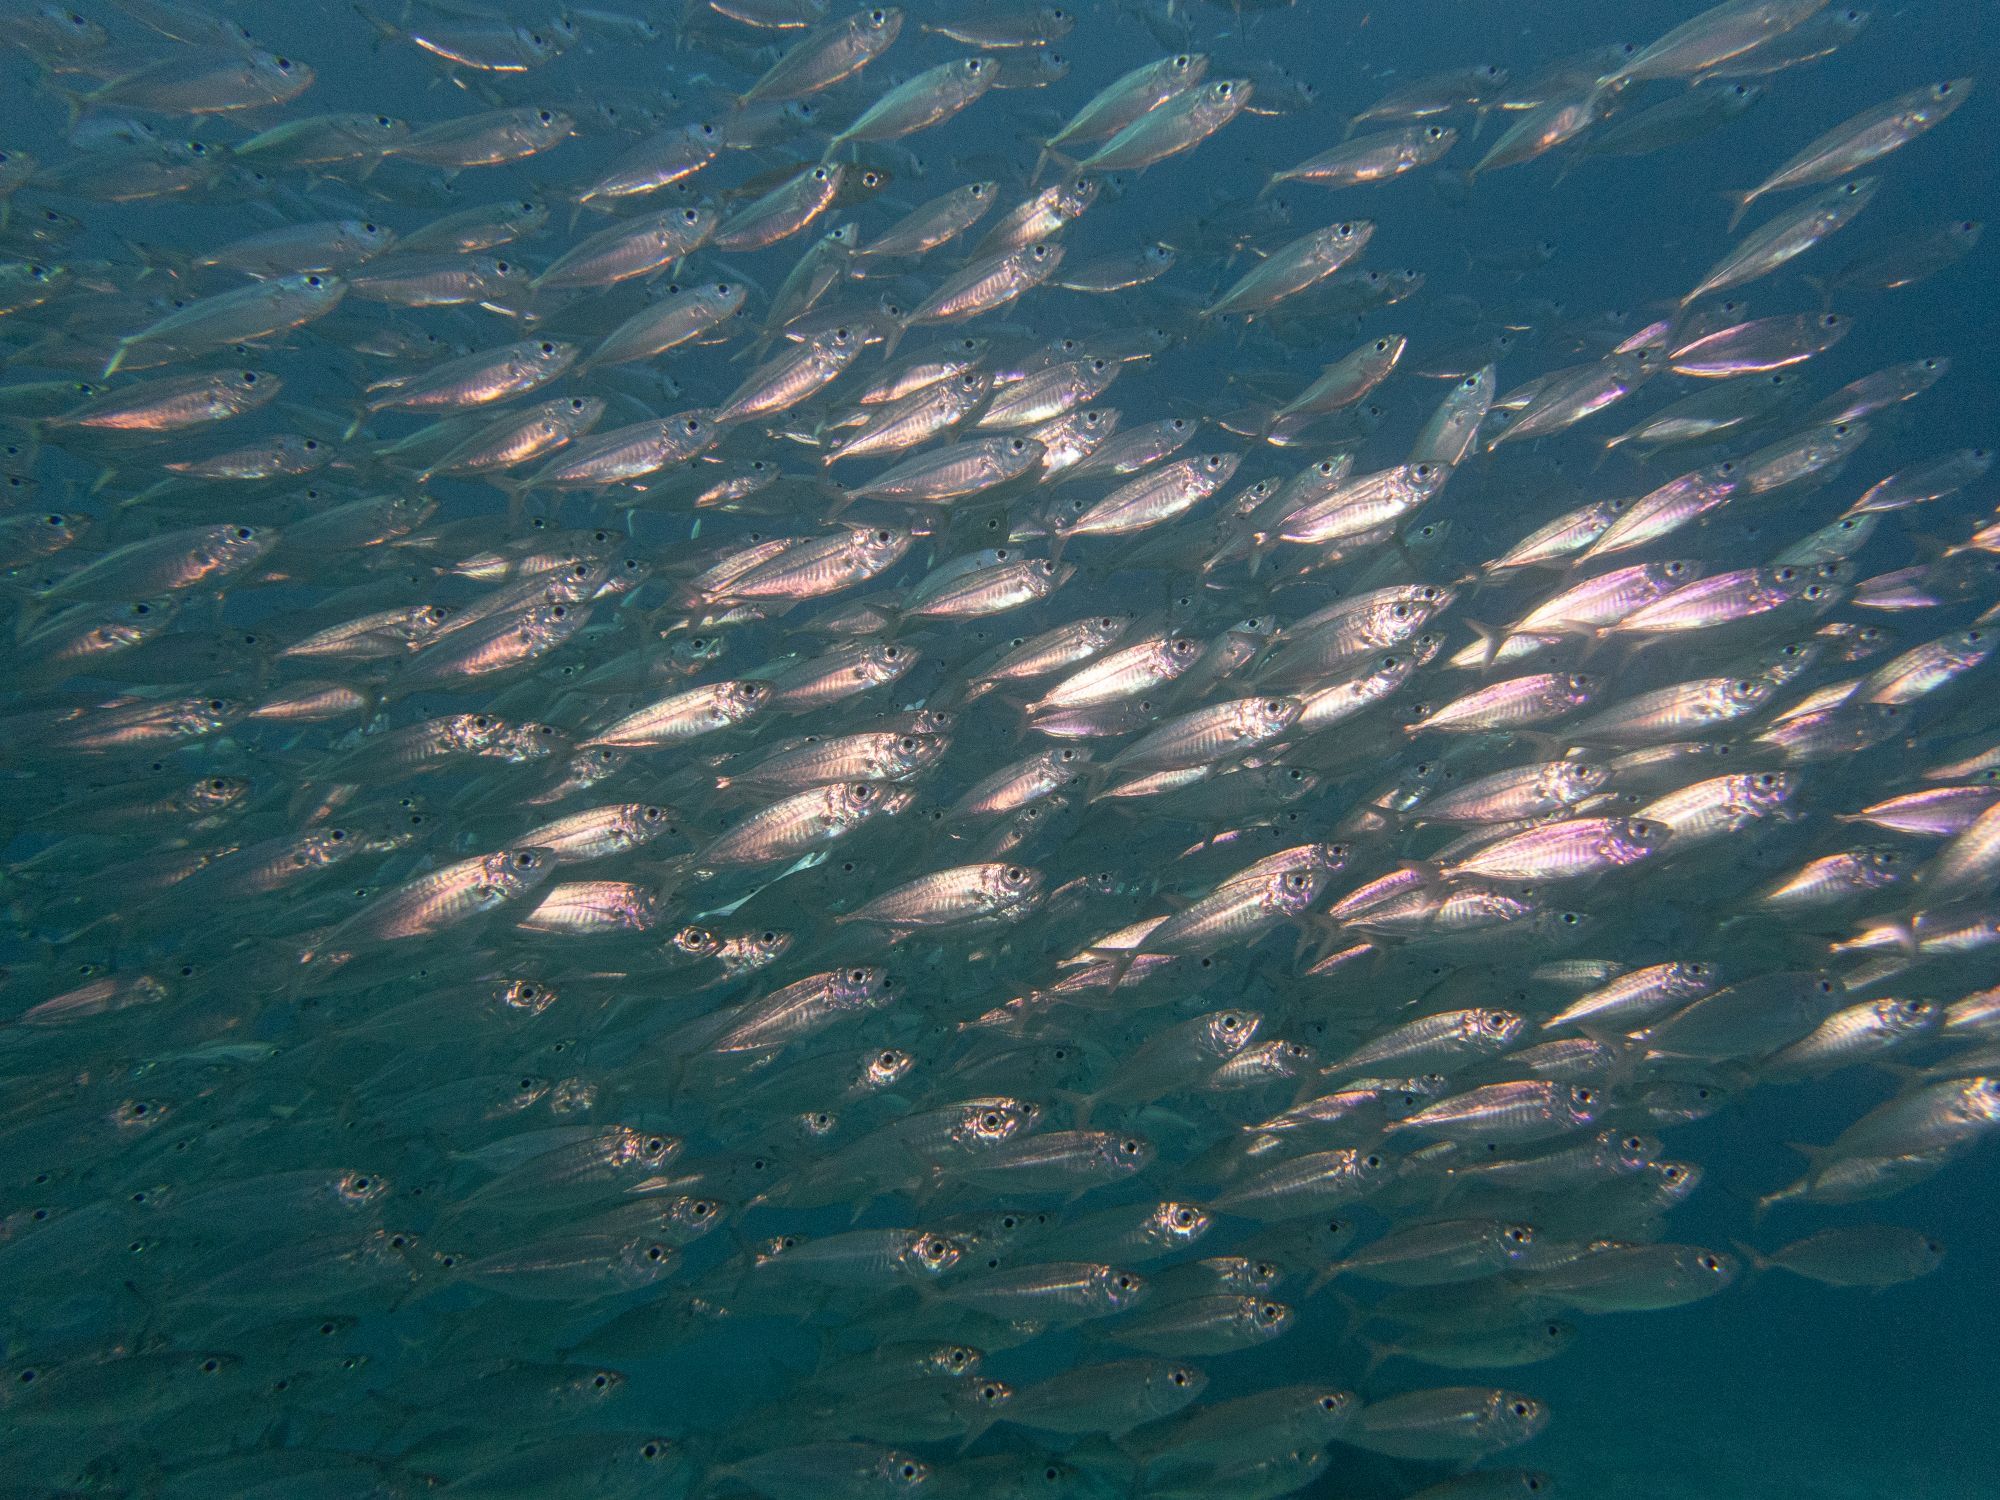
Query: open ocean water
(566, 936)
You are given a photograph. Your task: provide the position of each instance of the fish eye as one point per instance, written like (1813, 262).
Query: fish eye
(1131, 1147)
(545, 117)
(1372, 1160)
(1520, 1408)
(284, 64)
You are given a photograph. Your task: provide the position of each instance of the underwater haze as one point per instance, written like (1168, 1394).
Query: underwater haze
(1164, 750)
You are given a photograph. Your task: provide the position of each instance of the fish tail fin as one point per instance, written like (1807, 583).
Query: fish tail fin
(1754, 1258)
(1379, 1354)
(1082, 1105)
(1739, 206)
(1268, 418)
(1317, 936)
(1262, 544)
(385, 30)
(516, 491)
(117, 359)
(1354, 1316)
(1095, 778)
(1815, 1156)
(973, 1433)
(1120, 960)
(1765, 1202)
(75, 103)
(1491, 639)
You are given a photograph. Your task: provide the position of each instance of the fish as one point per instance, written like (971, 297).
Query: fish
(1860, 140)
(760, 748)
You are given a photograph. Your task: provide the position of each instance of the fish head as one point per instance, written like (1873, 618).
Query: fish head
(1574, 689)
(1169, 1387)
(1007, 884)
(1293, 891)
(928, 1254)
(1492, 1030)
(1175, 1225)
(1118, 1289)
(741, 699)
(1519, 1417)
(988, 1122)
(900, 1473)
(1981, 1098)
(1908, 1018)
(1266, 717)
(1634, 838)
(359, 1189)
(1582, 1103)
(1765, 792)
(1713, 1266)
(886, 1067)
(1517, 1242)
(885, 661)
(1674, 1181)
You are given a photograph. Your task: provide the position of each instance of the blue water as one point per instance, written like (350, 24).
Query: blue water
(1780, 1387)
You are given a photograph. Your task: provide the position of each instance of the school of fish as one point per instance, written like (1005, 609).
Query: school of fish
(708, 796)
